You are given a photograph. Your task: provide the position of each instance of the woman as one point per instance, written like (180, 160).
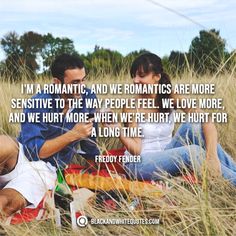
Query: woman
(160, 152)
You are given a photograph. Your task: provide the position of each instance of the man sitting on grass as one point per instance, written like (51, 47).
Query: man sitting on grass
(28, 165)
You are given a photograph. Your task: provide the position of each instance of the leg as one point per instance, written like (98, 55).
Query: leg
(225, 158)
(229, 174)
(172, 161)
(26, 183)
(8, 154)
(189, 133)
(32, 179)
(11, 201)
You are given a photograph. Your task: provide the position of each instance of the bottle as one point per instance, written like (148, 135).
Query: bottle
(134, 204)
(62, 198)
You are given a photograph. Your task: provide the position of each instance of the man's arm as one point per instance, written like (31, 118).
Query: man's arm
(42, 140)
(52, 146)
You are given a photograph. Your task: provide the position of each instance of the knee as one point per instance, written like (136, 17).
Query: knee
(196, 128)
(3, 205)
(196, 153)
(8, 144)
(9, 205)
(192, 132)
(192, 127)
(8, 147)
(196, 150)
(3, 201)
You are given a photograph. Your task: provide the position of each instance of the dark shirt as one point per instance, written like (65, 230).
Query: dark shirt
(34, 135)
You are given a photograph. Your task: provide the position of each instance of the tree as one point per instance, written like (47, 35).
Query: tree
(31, 44)
(23, 51)
(207, 51)
(166, 64)
(13, 63)
(10, 43)
(230, 61)
(54, 47)
(2, 67)
(177, 62)
(21, 54)
(104, 61)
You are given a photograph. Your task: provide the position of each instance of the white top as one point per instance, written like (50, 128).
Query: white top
(156, 135)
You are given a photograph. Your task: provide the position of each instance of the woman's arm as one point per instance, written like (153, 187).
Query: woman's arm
(132, 144)
(210, 134)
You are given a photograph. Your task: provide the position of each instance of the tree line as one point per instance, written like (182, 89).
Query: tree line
(26, 53)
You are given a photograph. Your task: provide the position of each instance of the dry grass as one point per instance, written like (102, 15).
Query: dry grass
(207, 209)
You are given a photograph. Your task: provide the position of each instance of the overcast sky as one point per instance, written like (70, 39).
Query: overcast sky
(123, 25)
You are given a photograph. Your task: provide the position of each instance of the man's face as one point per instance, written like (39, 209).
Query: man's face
(74, 76)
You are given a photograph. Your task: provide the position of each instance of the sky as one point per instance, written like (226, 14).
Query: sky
(124, 25)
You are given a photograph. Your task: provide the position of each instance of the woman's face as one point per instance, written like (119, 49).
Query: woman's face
(143, 78)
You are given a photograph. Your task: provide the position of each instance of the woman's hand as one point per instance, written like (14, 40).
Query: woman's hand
(110, 115)
(213, 165)
(112, 125)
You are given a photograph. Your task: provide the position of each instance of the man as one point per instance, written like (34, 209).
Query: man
(46, 145)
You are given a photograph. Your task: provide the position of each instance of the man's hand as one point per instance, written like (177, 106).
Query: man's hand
(81, 130)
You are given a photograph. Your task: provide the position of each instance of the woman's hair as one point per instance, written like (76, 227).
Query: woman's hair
(147, 63)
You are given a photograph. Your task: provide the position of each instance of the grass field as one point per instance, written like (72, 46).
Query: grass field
(207, 209)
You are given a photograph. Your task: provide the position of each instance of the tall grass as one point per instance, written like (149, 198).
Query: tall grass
(207, 209)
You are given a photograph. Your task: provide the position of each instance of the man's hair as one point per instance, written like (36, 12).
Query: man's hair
(64, 62)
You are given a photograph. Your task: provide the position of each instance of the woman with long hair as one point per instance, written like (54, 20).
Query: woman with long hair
(159, 151)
